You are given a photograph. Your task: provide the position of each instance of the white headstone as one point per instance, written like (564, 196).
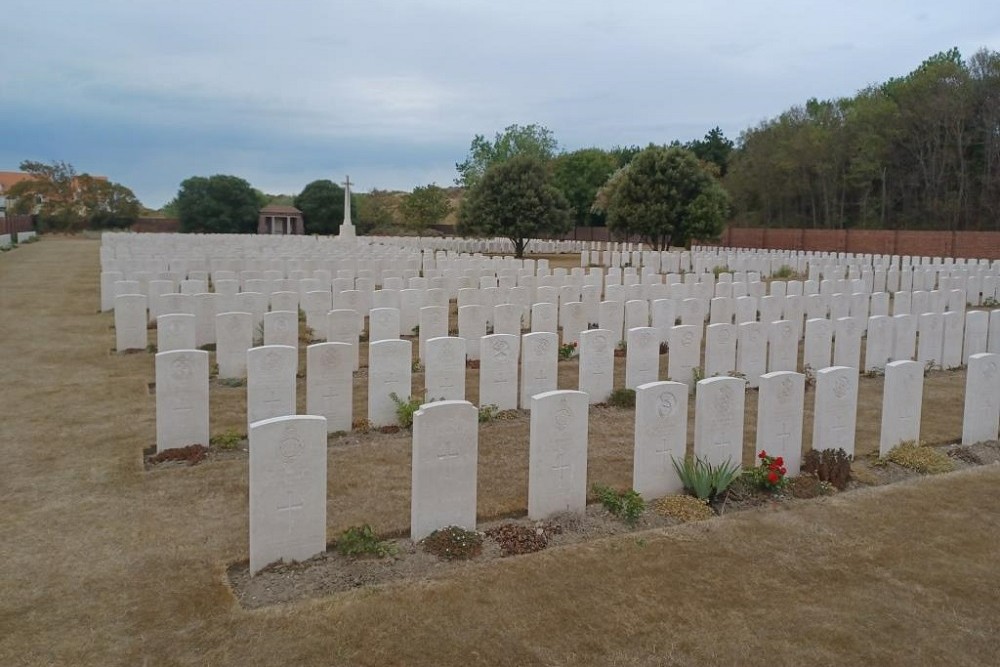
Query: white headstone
(720, 349)
(444, 370)
(444, 469)
(904, 342)
(433, 324)
(557, 463)
(818, 343)
(901, 404)
(539, 365)
(203, 306)
(751, 351)
(660, 435)
(976, 331)
(879, 344)
(597, 364)
(342, 326)
(233, 337)
(982, 399)
(684, 353)
(271, 373)
(930, 342)
(287, 490)
(572, 321)
(836, 409)
(181, 399)
(642, 360)
(718, 420)
(783, 347)
(847, 343)
(780, 406)
(544, 318)
(130, 322)
(281, 327)
(390, 366)
(953, 325)
(471, 327)
(507, 319)
(330, 384)
(498, 361)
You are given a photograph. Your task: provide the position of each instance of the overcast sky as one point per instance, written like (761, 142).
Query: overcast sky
(283, 92)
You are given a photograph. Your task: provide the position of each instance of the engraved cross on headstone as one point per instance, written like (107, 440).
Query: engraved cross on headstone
(784, 435)
(289, 507)
(447, 456)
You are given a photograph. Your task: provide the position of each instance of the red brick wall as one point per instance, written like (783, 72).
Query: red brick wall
(157, 225)
(985, 245)
(16, 223)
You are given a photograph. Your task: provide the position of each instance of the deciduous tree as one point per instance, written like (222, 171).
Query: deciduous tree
(515, 199)
(534, 140)
(427, 205)
(66, 201)
(218, 204)
(322, 206)
(667, 196)
(579, 175)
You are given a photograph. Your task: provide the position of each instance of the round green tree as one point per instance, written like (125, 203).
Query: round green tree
(218, 205)
(322, 206)
(666, 196)
(515, 200)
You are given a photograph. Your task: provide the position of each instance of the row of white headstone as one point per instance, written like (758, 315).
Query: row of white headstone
(288, 454)
(750, 349)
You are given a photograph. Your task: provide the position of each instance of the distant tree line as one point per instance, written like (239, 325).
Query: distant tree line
(918, 151)
(520, 186)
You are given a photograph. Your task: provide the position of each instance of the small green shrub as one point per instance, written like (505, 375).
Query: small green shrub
(151, 348)
(567, 351)
(232, 382)
(488, 413)
(704, 480)
(990, 302)
(829, 465)
(697, 374)
(622, 398)
(405, 409)
(784, 272)
(453, 543)
(228, 440)
(362, 541)
(924, 460)
(718, 270)
(626, 505)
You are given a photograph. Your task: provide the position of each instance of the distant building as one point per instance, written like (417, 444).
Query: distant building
(278, 219)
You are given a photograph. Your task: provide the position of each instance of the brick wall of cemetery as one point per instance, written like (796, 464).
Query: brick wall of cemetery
(156, 225)
(13, 224)
(984, 245)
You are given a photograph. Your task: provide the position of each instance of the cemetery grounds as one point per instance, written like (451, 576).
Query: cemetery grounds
(106, 563)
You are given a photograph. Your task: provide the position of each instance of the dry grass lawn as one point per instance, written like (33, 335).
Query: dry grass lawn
(106, 564)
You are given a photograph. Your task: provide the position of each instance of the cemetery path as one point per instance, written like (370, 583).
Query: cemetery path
(105, 564)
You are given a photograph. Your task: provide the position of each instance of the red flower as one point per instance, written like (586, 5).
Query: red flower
(783, 471)
(772, 477)
(780, 461)
(762, 455)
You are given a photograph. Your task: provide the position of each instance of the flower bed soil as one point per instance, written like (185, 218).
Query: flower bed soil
(330, 573)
